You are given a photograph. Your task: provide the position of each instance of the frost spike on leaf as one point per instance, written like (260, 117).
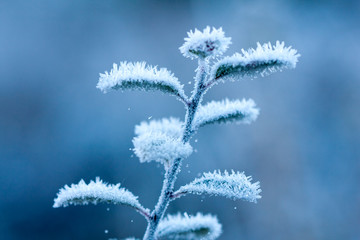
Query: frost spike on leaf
(140, 76)
(96, 192)
(184, 227)
(226, 111)
(234, 185)
(263, 60)
(208, 43)
(159, 147)
(172, 127)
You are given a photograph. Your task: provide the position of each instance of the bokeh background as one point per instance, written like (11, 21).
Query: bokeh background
(57, 128)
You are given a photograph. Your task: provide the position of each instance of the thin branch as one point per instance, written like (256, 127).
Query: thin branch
(184, 99)
(177, 194)
(145, 212)
(171, 173)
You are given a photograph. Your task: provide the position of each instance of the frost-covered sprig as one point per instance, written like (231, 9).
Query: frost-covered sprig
(159, 147)
(131, 76)
(185, 227)
(172, 127)
(226, 111)
(208, 43)
(167, 140)
(97, 192)
(263, 60)
(234, 185)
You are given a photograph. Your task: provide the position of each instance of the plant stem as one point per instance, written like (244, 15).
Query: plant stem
(171, 173)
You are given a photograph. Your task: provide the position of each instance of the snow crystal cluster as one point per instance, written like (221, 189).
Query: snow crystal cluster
(159, 147)
(185, 227)
(172, 127)
(95, 192)
(263, 60)
(234, 185)
(208, 43)
(139, 76)
(226, 111)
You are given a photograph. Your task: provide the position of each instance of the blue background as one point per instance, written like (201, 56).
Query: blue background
(57, 128)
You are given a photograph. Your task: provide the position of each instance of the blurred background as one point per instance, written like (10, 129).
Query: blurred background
(57, 128)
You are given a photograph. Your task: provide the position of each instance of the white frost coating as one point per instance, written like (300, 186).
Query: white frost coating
(95, 192)
(204, 44)
(139, 76)
(184, 227)
(234, 185)
(159, 147)
(226, 111)
(172, 127)
(263, 60)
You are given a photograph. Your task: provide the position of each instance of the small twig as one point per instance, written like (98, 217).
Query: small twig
(177, 195)
(183, 99)
(145, 212)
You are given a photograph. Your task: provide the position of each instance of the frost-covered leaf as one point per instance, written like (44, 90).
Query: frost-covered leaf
(234, 185)
(131, 238)
(159, 147)
(172, 127)
(184, 227)
(263, 60)
(226, 111)
(140, 76)
(95, 192)
(205, 44)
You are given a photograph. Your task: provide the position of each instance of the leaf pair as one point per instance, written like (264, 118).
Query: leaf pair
(185, 227)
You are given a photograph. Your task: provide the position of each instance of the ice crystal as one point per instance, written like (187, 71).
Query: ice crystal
(205, 44)
(140, 76)
(172, 127)
(184, 227)
(95, 192)
(226, 111)
(263, 60)
(234, 185)
(159, 147)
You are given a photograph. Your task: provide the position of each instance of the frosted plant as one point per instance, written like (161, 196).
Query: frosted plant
(167, 141)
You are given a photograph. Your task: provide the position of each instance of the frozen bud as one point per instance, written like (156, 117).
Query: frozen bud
(208, 43)
(172, 127)
(159, 147)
